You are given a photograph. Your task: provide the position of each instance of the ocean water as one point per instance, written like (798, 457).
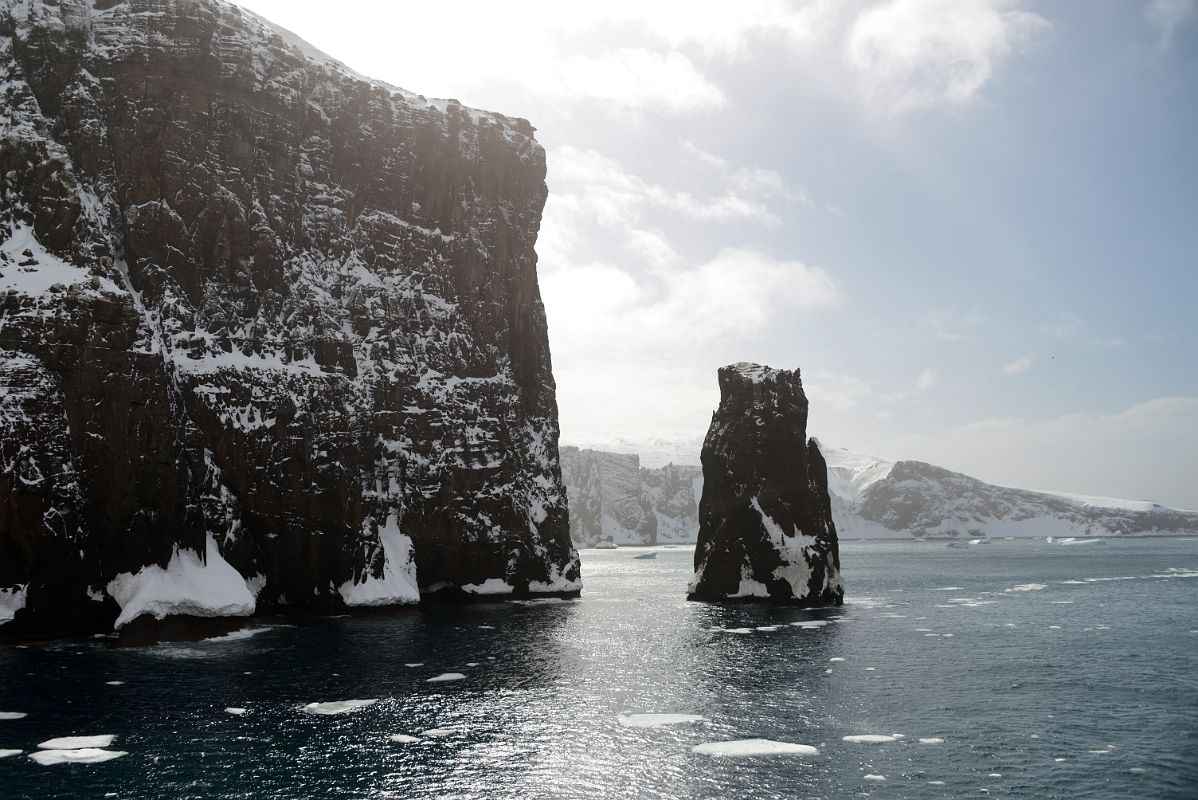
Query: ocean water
(1048, 671)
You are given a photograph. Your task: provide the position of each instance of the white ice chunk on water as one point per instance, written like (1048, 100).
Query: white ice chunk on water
(871, 738)
(1026, 587)
(931, 740)
(754, 747)
(85, 755)
(447, 676)
(403, 738)
(77, 742)
(239, 635)
(13, 715)
(114, 683)
(415, 664)
(235, 711)
(836, 658)
(657, 720)
(436, 733)
(337, 707)
(768, 628)
(736, 630)
(10, 753)
(872, 777)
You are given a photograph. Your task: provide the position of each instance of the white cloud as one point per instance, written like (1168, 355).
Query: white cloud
(603, 309)
(834, 390)
(1167, 16)
(1064, 327)
(1019, 365)
(950, 324)
(927, 379)
(633, 79)
(912, 54)
(1146, 452)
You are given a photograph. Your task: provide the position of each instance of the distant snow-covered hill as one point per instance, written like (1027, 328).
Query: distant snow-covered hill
(871, 498)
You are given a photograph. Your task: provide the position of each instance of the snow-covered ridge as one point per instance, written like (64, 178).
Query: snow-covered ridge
(875, 497)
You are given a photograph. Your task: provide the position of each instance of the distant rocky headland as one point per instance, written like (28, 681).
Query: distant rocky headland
(270, 332)
(872, 498)
(765, 519)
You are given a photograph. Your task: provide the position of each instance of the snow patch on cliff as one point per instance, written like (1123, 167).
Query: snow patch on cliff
(30, 269)
(398, 584)
(793, 550)
(198, 586)
(11, 601)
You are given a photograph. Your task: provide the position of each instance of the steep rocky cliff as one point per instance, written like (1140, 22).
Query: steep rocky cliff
(270, 332)
(614, 500)
(765, 518)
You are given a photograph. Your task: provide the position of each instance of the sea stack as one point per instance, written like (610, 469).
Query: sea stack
(765, 518)
(270, 331)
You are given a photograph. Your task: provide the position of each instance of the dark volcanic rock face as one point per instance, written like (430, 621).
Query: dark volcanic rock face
(267, 328)
(765, 518)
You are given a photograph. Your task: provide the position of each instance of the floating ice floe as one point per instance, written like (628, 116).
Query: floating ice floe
(735, 630)
(77, 742)
(871, 738)
(472, 663)
(337, 707)
(871, 669)
(414, 665)
(83, 755)
(10, 753)
(446, 676)
(931, 740)
(994, 775)
(754, 747)
(436, 733)
(114, 683)
(935, 783)
(239, 635)
(768, 628)
(235, 711)
(486, 627)
(403, 738)
(836, 658)
(657, 720)
(872, 777)
(1026, 587)
(13, 715)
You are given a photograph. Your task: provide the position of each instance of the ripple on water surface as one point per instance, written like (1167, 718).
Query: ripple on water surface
(1060, 672)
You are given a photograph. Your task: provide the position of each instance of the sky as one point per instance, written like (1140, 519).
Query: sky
(972, 224)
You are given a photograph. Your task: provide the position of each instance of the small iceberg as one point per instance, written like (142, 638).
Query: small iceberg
(403, 738)
(13, 715)
(872, 777)
(436, 733)
(83, 755)
(235, 711)
(658, 720)
(337, 707)
(646, 556)
(754, 747)
(77, 742)
(931, 740)
(447, 676)
(872, 738)
(10, 753)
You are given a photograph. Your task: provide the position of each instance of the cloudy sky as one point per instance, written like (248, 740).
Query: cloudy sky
(972, 223)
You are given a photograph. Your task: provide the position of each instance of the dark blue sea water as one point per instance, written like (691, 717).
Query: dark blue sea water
(1051, 671)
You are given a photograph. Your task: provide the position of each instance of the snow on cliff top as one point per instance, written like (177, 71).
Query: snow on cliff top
(24, 10)
(757, 373)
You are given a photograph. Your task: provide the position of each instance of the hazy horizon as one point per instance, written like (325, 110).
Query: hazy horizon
(970, 224)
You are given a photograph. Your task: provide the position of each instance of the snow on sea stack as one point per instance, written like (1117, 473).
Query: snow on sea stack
(270, 331)
(765, 519)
